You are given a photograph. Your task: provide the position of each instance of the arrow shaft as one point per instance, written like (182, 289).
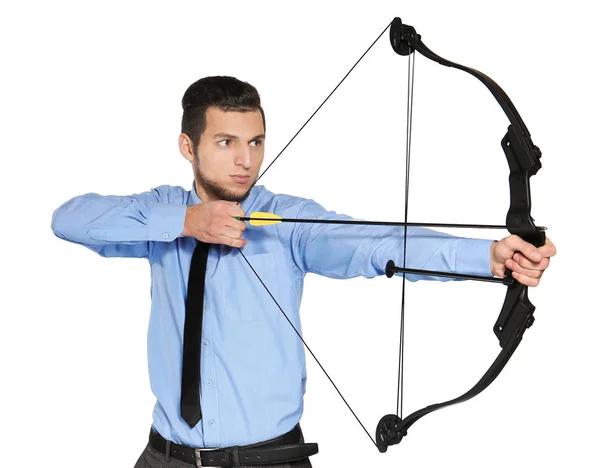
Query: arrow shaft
(372, 223)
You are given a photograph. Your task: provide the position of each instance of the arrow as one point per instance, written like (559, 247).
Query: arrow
(259, 218)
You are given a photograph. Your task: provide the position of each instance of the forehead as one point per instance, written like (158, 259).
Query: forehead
(234, 122)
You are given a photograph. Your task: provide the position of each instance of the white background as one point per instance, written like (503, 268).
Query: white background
(90, 102)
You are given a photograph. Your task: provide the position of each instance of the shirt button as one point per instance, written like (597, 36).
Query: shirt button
(165, 235)
(209, 383)
(211, 422)
(205, 342)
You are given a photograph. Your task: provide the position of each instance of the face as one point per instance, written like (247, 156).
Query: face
(229, 154)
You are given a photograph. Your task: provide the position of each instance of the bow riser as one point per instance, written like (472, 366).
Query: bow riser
(523, 161)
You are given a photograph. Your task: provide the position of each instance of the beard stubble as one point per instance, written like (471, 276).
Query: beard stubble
(216, 190)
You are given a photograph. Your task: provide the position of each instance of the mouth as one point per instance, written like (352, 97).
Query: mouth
(240, 179)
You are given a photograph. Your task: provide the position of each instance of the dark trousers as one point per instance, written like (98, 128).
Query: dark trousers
(152, 458)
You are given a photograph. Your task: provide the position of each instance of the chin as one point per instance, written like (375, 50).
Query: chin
(231, 192)
(236, 194)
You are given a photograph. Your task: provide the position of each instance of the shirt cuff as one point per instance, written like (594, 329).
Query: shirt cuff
(473, 257)
(166, 221)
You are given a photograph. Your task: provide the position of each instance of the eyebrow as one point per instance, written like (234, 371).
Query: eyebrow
(229, 136)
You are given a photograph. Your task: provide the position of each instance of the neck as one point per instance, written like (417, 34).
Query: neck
(202, 193)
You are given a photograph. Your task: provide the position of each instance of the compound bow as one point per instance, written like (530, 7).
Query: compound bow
(516, 315)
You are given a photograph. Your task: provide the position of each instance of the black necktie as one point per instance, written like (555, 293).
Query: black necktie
(192, 336)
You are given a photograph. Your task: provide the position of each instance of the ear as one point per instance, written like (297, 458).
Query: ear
(186, 147)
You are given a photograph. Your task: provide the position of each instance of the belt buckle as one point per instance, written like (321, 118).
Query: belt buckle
(198, 451)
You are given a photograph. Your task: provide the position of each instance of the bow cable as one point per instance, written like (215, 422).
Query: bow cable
(409, 108)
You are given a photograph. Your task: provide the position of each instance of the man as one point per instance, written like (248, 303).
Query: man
(249, 384)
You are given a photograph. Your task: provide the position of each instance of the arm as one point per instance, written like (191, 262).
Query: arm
(343, 251)
(119, 226)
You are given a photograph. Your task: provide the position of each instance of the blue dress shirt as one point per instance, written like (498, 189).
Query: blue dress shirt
(253, 364)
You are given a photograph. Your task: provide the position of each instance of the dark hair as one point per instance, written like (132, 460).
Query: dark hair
(224, 92)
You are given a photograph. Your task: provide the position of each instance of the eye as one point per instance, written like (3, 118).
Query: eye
(224, 143)
(256, 143)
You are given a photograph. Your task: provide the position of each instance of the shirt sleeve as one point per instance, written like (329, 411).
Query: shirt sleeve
(119, 226)
(347, 251)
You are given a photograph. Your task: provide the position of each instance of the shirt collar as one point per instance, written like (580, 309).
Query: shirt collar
(194, 199)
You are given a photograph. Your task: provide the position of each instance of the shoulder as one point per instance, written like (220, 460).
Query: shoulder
(285, 205)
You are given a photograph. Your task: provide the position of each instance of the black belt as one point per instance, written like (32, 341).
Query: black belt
(282, 449)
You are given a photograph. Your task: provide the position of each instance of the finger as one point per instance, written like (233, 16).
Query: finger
(548, 249)
(519, 245)
(515, 267)
(235, 224)
(231, 232)
(239, 243)
(526, 263)
(235, 210)
(526, 280)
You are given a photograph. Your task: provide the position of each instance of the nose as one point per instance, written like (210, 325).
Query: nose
(244, 157)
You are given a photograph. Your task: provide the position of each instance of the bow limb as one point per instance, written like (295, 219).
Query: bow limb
(518, 311)
(405, 40)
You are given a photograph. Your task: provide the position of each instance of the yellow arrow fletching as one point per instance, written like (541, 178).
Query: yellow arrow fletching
(266, 219)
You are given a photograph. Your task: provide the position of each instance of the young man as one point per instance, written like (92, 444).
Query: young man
(243, 382)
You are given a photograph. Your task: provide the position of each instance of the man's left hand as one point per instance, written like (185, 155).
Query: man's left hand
(526, 261)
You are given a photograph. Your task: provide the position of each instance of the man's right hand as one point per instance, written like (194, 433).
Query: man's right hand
(214, 222)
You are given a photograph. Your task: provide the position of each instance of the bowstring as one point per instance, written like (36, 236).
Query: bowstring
(256, 273)
(409, 114)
